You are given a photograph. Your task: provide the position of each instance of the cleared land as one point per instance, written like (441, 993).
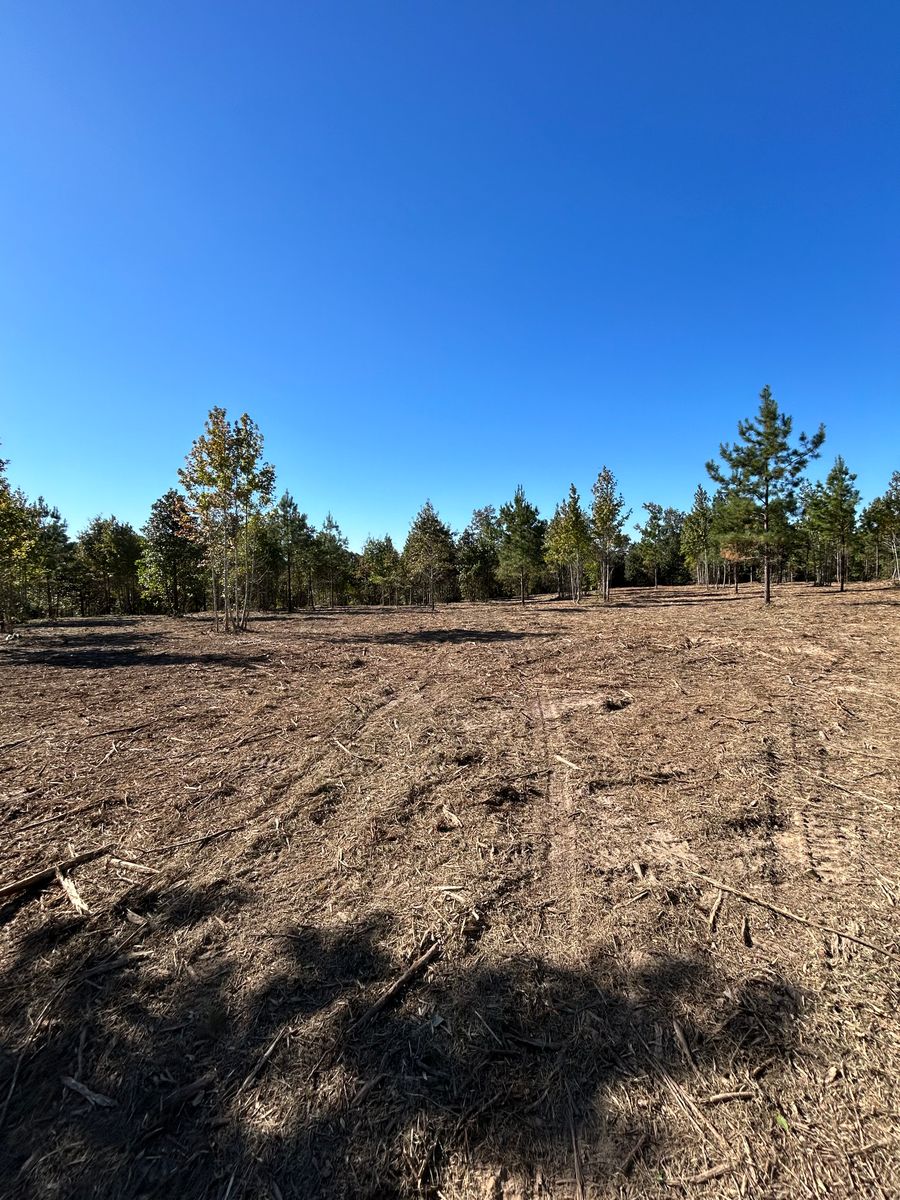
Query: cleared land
(300, 815)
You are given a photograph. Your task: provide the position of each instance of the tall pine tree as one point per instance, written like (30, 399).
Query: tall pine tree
(521, 542)
(765, 468)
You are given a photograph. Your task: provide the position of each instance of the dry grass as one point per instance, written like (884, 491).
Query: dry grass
(298, 814)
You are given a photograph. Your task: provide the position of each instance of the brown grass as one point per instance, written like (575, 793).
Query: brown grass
(298, 814)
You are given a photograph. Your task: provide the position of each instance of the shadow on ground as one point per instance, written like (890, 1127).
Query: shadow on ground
(437, 637)
(98, 647)
(212, 1078)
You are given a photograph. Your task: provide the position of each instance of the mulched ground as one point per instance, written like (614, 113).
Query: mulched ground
(520, 817)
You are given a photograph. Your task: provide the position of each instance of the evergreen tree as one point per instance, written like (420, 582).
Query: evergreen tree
(50, 557)
(696, 536)
(333, 556)
(227, 483)
(765, 469)
(109, 551)
(296, 541)
(885, 515)
(840, 501)
(17, 536)
(568, 541)
(172, 553)
(608, 517)
(521, 541)
(733, 530)
(478, 555)
(379, 567)
(429, 551)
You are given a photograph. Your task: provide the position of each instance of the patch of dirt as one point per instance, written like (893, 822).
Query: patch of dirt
(408, 904)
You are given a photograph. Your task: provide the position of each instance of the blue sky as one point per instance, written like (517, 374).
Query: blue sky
(439, 249)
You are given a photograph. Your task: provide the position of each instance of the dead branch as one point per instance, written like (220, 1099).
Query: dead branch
(791, 916)
(49, 873)
(397, 986)
(207, 837)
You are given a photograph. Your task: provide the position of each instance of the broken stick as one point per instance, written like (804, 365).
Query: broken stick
(431, 953)
(49, 873)
(791, 916)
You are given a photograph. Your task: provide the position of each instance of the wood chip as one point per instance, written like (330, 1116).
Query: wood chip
(68, 886)
(95, 1098)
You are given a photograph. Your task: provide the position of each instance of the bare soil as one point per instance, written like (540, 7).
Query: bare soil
(542, 802)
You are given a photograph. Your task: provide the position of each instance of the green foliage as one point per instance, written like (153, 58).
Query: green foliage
(109, 551)
(169, 569)
(297, 542)
(733, 528)
(608, 517)
(429, 552)
(478, 555)
(378, 568)
(764, 469)
(568, 543)
(830, 512)
(880, 522)
(18, 532)
(659, 549)
(333, 561)
(521, 548)
(696, 536)
(227, 484)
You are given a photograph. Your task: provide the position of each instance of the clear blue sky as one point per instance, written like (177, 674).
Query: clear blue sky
(437, 249)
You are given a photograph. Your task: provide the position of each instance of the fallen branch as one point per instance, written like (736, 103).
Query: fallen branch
(207, 837)
(841, 787)
(791, 916)
(69, 812)
(397, 986)
(94, 1098)
(49, 873)
(190, 1089)
(262, 1060)
(113, 964)
(347, 750)
(365, 1089)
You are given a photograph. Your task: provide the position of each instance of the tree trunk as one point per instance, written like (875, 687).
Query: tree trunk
(522, 584)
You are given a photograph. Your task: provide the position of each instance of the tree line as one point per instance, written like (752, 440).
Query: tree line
(223, 543)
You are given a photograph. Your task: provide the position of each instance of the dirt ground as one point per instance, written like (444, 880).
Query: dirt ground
(530, 812)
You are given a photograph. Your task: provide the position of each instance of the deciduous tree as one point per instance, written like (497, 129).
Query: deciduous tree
(227, 483)
(608, 517)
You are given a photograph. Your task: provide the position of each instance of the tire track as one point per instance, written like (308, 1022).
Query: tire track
(562, 848)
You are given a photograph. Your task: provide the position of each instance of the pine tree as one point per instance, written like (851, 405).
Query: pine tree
(696, 536)
(568, 541)
(429, 550)
(883, 517)
(652, 546)
(732, 530)
(608, 517)
(521, 541)
(379, 566)
(478, 555)
(333, 556)
(17, 536)
(840, 501)
(765, 469)
(171, 552)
